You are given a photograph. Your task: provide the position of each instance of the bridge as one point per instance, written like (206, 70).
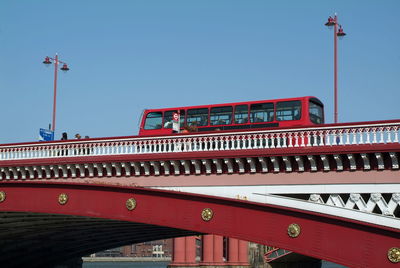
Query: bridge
(330, 192)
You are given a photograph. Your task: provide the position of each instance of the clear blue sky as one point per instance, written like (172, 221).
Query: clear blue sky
(126, 56)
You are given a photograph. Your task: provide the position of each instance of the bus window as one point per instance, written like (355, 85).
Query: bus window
(168, 118)
(262, 112)
(153, 120)
(241, 114)
(316, 112)
(221, 115)
(288, 110)
(197, 117)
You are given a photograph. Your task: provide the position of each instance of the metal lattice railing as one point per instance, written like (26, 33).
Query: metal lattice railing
(336, 135)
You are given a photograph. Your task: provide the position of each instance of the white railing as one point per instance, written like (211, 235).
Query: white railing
(344, 135)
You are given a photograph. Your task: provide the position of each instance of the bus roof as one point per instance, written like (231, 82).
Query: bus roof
(234, 103)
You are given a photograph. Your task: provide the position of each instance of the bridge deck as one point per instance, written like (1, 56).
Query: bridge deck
(343, 173)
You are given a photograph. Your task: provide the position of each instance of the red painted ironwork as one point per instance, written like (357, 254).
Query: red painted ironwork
(338, 32)
(184, 253)
(53, 126)
(48, 60)
(335, 239)
(276, 253)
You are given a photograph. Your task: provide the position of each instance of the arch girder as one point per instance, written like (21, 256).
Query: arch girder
(335, 239)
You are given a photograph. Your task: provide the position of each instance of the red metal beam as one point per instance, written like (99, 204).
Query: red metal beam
(338, 240)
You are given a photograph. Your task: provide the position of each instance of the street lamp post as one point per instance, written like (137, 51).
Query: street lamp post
(338, 32)
(48, 60)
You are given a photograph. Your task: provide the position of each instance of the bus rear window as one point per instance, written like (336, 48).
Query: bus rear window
(197, 117)
(316, 113)
(262, 112)
(288, 110)
(153, 120)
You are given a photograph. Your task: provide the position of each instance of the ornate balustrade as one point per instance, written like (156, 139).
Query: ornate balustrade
(383, 132)
(367, 146)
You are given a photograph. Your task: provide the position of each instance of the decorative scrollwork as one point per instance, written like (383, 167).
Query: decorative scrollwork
(396, 197)
(207, 214)
(62, 199)
(394, 255)
(375, 197)
(131, 204)
(314, 197)
(2, 196)
(355, 197)
(294, 230)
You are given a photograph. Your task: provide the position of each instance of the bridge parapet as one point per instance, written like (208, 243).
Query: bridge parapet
(344, 171)
(365, 146)
(383, 132)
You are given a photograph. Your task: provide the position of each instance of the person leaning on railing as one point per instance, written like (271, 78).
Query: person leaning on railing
(87, 150)
(64, 136)
(79, 151)
(62, 152)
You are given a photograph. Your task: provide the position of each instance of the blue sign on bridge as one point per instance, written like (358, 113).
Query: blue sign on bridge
(46, 135)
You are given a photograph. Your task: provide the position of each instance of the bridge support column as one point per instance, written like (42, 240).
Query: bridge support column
(237, 253)
(233, 251)
(212, 251)
(244, 253)
(184, 254)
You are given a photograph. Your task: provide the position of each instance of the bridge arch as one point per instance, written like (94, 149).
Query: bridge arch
(148, 214)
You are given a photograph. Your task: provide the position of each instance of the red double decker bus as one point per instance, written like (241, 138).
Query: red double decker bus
(302, 111)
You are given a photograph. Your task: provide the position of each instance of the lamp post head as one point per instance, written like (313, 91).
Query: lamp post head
(331, 22)
(340, 32)
(64, 67)
(47, 60)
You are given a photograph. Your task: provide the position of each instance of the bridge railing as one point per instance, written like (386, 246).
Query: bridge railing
(383, 132)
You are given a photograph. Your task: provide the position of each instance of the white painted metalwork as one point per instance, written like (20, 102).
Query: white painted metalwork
(197, 166)
(264, 167)
(156, 167)
(240, 163)
(395, 161)
(361, 205)
(262, 164)
(365, 159)
(146, 167)
(300, 163)
(325, 161)
(288, 164)
(275, 162)
(252, 164)
(165, 165)
(339, 163)
(229, 164)
(313, 162)
(352, 161)
(379, 158)
(373, 133)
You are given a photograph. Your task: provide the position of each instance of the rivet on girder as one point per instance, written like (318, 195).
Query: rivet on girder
(294, 230)
(63, 199)
(2, 196)
(394, 255)
(207, 214)
(131, 204)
